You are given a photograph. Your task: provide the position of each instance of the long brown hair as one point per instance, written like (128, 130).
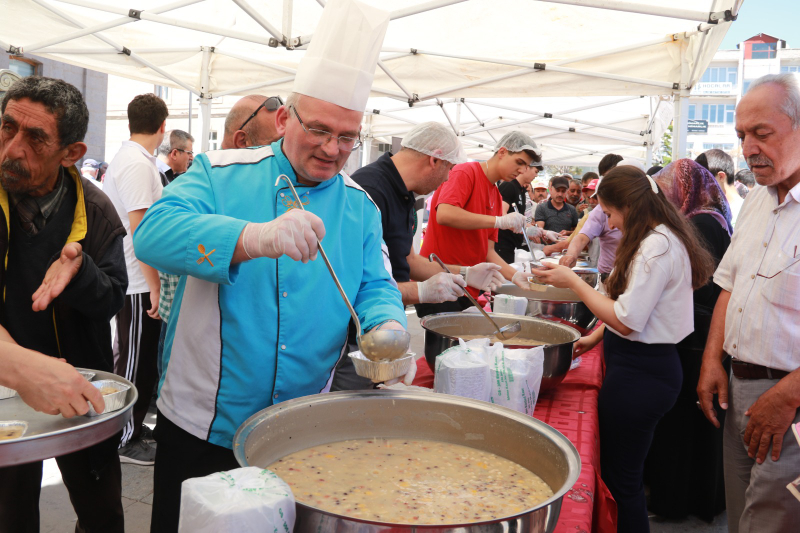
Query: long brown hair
(627, 187)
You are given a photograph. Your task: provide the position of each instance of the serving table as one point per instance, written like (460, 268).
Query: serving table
(571, 408)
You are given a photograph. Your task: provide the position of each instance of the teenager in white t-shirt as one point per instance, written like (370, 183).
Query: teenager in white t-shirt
(648, 309)
(133, 184)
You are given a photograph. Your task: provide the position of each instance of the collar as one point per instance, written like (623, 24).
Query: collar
(50, 201)
(142, 149)
(162, 166)
(395, 179)
(285, 167)
(550, 203)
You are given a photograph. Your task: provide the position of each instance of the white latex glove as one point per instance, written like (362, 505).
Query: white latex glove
(484, 277)
(513, 221)
(552, 236)
(534, 232)
(412, 371)
(295, 234)
(520, 279)
(442, 287)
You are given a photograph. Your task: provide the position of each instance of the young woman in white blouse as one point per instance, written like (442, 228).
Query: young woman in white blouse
(647, 310)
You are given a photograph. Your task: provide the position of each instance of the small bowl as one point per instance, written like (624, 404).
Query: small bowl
(379, 371)
(89, 376)
(12, 429)
(113, 401)
(6, 393)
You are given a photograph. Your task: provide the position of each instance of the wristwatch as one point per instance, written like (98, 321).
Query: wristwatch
(463, 272)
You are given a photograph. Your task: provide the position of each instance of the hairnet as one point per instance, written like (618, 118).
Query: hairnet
(517, 141)
(436, 140)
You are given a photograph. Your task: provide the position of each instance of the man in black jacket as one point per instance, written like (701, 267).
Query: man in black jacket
(64, 278)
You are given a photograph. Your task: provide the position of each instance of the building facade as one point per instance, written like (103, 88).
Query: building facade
(714, 98)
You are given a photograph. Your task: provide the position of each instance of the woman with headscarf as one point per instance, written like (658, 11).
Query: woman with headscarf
(684, 465)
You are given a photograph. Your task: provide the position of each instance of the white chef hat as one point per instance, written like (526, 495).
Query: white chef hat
(340, 62)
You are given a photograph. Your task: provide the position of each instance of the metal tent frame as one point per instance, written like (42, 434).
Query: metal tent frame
(270, 50)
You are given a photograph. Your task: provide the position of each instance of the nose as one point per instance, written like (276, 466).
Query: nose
(331, 148)
(14, 147)
(750, 146)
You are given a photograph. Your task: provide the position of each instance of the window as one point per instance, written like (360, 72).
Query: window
(212, 140)
(791, 68)
(718, 113)
(764, 50)
(692, 111)
(745, 86)
(23, 67)
(718, 146)
(720, 75)
(162, 92)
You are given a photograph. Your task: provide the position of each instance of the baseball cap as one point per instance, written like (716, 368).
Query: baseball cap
(592, 185)
(90, 163)
(516, 141)
(539, 183)
(559, 181)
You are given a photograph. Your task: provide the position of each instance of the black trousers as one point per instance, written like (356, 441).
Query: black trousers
(180, 456)
(93, 479)
(137, 360)
(641, 384)
(444, 307)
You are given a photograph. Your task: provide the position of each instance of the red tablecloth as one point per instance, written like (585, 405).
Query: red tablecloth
(571, 408)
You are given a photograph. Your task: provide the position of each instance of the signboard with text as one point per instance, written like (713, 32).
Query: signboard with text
(715, 87)
(697, 126)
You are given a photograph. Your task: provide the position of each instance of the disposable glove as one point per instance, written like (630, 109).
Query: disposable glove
(295, 234)
(552, 236)
(534, 232)
(484, 277)
(442, 287)
(520, 279)
(513, 221)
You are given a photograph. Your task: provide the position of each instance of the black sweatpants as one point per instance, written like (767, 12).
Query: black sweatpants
(180, 456)
(444, 307)
(93, 479)
(641, 384)
(137, 360)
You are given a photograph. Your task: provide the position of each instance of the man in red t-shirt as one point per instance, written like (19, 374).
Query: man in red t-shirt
(467, 211)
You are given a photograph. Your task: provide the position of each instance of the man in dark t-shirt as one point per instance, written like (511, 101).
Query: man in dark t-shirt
(555, 214)
(514, 194)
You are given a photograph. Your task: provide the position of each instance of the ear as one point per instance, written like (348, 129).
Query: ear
(721, 177)
(240, 139)
(431, 161)
(281, 118)
(163, 128)
(73, 153)
(502, 152)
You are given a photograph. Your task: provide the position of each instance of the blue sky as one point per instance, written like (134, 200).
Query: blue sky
(778, 18)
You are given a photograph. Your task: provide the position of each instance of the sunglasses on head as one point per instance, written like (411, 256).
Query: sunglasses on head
(270, 104)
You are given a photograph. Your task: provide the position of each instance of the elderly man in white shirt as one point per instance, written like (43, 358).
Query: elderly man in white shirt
(756, 319)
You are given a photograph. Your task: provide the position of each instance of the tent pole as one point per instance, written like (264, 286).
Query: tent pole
(254, 86)
(95, 51)
(630, 7)
(681, 118)
(88, 30)
(261, 21)
(458, 115)
(191, 101)
(205, 99)
(366, 153)
(615, 77)
(395, 80)
(274, 66)
(288, 6)
(146, 15)
(421, 8)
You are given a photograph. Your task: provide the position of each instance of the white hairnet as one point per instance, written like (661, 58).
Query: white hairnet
(436, 140)
(517, 141)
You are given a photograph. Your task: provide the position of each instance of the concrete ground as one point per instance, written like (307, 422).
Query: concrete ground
(57, 515)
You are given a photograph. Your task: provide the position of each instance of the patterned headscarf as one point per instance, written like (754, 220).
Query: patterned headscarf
(693, 190)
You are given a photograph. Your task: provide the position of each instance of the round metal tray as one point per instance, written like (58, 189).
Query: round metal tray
(53, 435)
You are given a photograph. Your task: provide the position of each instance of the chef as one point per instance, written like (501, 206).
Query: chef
(256, 319)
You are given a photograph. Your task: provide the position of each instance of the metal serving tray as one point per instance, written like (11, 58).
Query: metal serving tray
(53, 435)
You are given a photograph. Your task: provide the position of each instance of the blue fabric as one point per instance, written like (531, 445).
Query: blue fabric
(641, 384)
(279, 326)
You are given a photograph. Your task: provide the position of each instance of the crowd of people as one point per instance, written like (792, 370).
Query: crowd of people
(207, 264)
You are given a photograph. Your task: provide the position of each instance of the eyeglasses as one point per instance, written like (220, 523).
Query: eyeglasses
(320, 137)
(191, 153)
(270, 104)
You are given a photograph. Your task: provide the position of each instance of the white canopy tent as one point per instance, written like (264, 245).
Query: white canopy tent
(462, 56)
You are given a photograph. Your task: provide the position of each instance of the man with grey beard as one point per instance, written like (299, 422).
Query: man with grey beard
(756, 316)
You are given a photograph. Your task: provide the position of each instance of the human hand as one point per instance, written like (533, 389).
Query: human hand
(513, 221)
(442, 287)
(155, 294)
(582, 345)
(568, 260)
(408, 378)
(551, 236)
(555, 275)
(770, 417)
(484, 277)
(534, 233)
(58, 276)
(521, 280)
(558, 247)
(563, 233)
(296, 234)
(713, 380)
(52, 386)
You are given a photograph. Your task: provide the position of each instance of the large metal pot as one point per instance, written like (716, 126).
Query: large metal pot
(558, 305)
(442, 331)
(304, 422)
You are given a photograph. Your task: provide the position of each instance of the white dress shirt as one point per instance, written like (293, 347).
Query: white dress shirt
(761, 270)
(658, 302)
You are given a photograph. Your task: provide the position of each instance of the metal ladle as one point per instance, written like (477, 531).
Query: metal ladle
(509, 331)
(525, 234)
(381, 345)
